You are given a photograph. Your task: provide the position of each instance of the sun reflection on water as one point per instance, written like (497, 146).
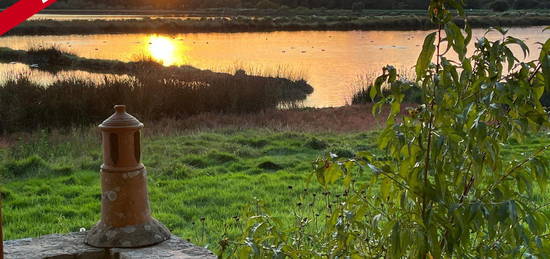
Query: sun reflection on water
(169, 52)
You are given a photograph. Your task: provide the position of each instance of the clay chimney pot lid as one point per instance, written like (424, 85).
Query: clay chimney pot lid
(121, 119)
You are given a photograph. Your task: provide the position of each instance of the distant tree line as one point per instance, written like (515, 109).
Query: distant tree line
(498, 5)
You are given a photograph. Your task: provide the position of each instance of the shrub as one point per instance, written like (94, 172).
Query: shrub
(499, 6)
(266, 4)
(52, 57)
(363, 96)
(284, 8)
(526, 4)
(358, 6)
(302, 10)
(438, 187)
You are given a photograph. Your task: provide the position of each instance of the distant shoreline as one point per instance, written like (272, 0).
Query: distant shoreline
(279, 12)
(262, 24)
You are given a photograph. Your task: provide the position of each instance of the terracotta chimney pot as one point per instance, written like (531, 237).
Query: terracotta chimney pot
(125, 213)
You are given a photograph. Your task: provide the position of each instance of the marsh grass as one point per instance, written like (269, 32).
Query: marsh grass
(151, 91)
(387, 20)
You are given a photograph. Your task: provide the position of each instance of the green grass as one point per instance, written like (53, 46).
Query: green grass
(214, 175)
(51, 181)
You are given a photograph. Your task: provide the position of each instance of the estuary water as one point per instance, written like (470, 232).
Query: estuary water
(335, 63)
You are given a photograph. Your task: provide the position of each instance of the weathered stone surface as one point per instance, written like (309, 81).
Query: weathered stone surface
(72, 246)
(152, 232)
(51, 246)
(173, 248)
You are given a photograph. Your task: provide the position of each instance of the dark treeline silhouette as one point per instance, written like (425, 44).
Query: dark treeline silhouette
(499, 5)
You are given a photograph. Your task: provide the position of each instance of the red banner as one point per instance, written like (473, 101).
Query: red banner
(21, 11)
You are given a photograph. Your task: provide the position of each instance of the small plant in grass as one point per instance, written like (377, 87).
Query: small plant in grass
(440, 187)
(362, 96)
(316, 143)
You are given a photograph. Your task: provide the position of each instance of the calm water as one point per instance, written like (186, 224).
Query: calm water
(333, 62)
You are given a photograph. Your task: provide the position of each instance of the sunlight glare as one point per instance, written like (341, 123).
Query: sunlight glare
(167, 51)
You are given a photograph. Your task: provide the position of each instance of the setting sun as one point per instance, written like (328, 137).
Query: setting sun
(167, 51)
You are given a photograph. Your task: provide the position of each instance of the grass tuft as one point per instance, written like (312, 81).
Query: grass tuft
(316, 144)
(268, 165)
(32, 166)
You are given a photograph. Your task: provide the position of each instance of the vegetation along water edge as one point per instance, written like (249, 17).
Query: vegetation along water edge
(270, 23)
(150, 90)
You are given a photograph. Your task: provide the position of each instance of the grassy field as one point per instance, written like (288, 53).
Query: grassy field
(51, 181)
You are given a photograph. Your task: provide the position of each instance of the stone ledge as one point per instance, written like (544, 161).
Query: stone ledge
(71, 246)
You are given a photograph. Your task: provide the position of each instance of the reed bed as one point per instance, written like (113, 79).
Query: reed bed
(264, 23)
(151, 91)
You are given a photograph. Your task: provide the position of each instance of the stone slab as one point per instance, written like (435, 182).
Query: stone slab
(72, 246)
(172, 248)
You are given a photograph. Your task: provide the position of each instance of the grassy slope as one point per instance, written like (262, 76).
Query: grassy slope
(213, 174)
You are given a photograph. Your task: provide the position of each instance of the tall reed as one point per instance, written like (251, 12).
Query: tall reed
(150, 94)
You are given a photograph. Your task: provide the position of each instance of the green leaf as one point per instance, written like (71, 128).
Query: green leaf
(501, 30)
(396, 241)
(456, 39)
(426, 56)
(254, 248)
(373, 92)
(469, 34)
(545, 50)
(244, 251)
(392, 73)
(516, 41)
(321, 176)
(545, 63)
(511, 59)
(375, 169)
(332, 174)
